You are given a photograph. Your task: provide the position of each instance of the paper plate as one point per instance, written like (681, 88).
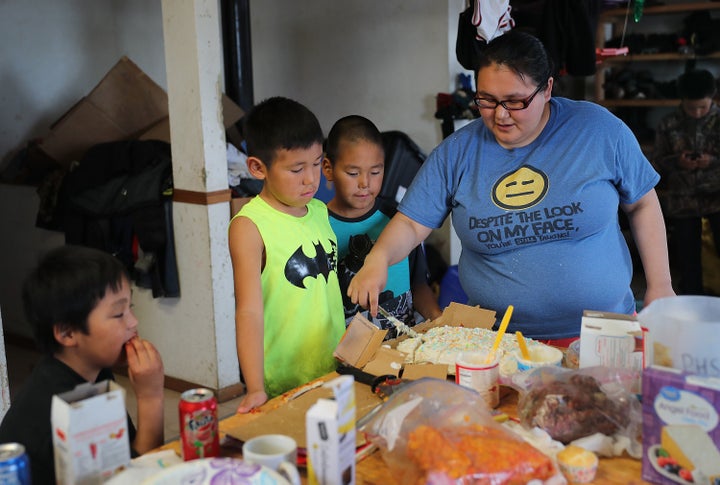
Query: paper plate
(215, 471)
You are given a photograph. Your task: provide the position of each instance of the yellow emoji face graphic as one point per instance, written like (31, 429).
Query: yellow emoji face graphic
(520, 189)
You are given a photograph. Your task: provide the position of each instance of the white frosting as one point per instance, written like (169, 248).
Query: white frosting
(441, 345)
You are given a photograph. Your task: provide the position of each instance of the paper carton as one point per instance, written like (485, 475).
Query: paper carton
(611, 340)
(90, 435)
(681, 434)
(331, 436)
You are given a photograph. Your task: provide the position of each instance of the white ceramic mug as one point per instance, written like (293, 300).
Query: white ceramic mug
(275, 451)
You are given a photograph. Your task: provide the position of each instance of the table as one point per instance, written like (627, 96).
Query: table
(372, 470)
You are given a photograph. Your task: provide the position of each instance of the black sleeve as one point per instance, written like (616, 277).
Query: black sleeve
(131, 437)
(22, 424)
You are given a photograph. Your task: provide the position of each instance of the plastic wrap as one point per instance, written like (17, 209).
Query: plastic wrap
(432, 431)
(573, 404)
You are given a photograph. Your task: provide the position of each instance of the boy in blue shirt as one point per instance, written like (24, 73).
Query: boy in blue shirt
(355, 162)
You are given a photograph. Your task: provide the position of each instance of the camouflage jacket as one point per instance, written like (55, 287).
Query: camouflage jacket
(688, 193)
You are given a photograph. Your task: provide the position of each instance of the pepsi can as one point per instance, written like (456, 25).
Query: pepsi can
(14, 465)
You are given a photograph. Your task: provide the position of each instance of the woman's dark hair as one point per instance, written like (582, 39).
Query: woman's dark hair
(65, 287)
(696, 84)
(279, 123)
(351, 128)
(521, 52)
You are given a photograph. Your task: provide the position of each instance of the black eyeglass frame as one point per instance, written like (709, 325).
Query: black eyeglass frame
(525, 102)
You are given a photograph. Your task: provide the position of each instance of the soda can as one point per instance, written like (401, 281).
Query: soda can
(199, 424)
(14, 465)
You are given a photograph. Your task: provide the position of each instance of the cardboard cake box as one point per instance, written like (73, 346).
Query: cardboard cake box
(362, 345)
(681, 431)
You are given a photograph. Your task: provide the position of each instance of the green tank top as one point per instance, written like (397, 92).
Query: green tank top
(303, 307)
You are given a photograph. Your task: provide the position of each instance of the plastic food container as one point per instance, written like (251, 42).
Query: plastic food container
(683, 332)
(572, 356)
(540, 356)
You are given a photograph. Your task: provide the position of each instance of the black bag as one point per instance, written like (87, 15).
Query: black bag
(467, 45)
(403, 159)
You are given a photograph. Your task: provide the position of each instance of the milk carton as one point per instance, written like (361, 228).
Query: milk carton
(90, 435)
(330, 426)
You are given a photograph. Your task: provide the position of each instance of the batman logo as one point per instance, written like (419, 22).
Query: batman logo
(300, 266)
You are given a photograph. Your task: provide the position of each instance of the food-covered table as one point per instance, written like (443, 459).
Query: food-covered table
(371, 469)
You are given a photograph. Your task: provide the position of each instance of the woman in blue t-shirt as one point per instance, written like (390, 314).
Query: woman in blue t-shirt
(533, 189)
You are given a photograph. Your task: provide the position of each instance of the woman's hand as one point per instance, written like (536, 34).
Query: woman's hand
(367, 284)
(658, 291)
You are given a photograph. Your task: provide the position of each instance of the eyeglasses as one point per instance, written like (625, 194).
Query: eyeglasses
(508, 104)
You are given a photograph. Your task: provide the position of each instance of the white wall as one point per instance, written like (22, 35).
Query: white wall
(54, 52)
(385, 59)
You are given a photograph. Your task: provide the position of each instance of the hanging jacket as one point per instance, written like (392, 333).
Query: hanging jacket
(119, 199)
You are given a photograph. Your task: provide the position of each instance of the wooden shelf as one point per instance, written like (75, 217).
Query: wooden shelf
(663, 9)
(612, 22)
(639, 103)
(663, 56)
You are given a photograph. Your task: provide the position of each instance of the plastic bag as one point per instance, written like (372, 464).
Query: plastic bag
(573, 404)
(432, 431)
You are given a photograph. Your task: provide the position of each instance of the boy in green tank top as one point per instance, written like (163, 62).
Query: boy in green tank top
(288, 307)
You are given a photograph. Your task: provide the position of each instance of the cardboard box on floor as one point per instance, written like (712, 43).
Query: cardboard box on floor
(90, 435)
(126, 104)
(362, 345)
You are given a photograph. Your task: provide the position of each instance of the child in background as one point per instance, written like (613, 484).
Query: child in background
(288, 308)
(78, 303)
(355, 162)
(687, 145)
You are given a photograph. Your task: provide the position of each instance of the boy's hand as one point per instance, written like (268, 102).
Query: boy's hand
(251, 401)
(703, 160)
(145, 368)
(688, 160)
